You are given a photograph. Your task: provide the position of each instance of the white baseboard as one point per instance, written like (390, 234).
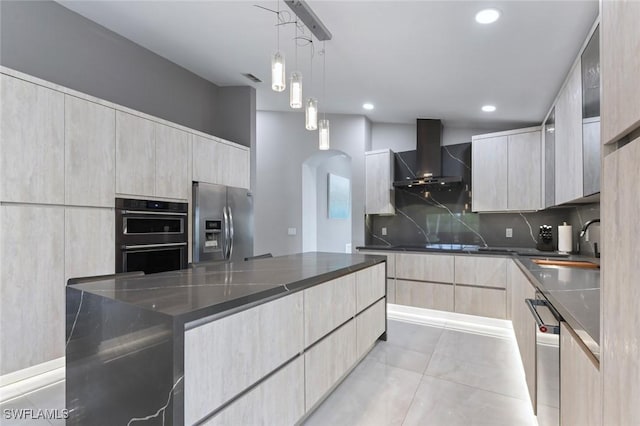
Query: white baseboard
(451, 320)
(20, 382)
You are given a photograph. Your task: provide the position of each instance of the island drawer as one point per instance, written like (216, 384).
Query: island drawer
(327, 306)
(370, 286)
(370, 324)
(249, 345)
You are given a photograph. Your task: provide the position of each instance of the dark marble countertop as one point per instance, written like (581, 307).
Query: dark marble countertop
(214, 288)
(573, 292)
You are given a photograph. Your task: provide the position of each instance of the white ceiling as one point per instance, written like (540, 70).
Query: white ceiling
(427, 59)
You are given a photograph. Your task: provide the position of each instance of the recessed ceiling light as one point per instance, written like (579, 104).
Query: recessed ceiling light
(487, 16)
(488, 108)
(368, 106)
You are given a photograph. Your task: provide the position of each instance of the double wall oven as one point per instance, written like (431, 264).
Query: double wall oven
(151, 236)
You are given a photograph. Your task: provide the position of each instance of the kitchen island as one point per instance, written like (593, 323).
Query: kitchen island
(261, 341)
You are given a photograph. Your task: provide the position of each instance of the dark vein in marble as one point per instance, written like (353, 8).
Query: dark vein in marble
(160, 410)
(75, 320)
(456, 158)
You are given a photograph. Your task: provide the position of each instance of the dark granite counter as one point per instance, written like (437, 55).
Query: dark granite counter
(212, 288)
(573, 292)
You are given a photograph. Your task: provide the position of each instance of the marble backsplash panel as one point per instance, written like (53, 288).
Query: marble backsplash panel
(446, 217)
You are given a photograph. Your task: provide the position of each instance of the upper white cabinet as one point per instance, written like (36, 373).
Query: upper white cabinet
(173, 155)
(135, 155)
(89, 150)
(506, 169)
(379, 193)
(568, 140)
(489, 169)
(219, 162)
(152, 159)
(32, 148)
(620, 68)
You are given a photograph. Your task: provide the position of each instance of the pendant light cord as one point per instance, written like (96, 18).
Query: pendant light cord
(324, 80)
(278, 24)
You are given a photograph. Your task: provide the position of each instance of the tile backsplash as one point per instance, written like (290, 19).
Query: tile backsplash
(446, 217)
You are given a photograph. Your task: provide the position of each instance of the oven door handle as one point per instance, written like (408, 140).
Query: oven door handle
(544, 328)
(153, 213)
(149, 246)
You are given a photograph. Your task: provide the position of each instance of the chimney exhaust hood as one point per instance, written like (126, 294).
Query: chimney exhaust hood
(428, 153)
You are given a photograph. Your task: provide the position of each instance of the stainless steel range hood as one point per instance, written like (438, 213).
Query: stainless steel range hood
(429, 161)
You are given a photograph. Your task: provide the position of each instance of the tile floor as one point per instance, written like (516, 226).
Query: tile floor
(423, 375)
(431, 376)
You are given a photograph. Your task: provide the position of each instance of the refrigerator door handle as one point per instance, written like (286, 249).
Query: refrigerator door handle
(230, 233)
(225, 247)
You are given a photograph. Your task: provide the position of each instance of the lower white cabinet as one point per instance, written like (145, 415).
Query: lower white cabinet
(425, 295)
(89, 242)
(328, 361)
(481, 271)
(31, 285)
(370, 286)
(370, 324)
(524, 326)
(486, 302)
(391, 290)
(425, 267)
(244, 347)
(580, 391)
(328, 305)
(278, 401)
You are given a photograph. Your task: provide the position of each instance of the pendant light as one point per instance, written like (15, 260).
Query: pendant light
(311, 106)
(323, 133)
(278, 73)
(295, 88)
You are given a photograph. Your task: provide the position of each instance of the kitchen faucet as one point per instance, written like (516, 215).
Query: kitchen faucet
(584, 231)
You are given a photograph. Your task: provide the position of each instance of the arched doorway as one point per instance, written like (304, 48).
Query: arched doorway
(326, 209)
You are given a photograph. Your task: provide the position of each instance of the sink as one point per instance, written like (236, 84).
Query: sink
(567, 263)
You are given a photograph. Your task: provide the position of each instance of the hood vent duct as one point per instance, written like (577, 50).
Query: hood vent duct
(429, 161)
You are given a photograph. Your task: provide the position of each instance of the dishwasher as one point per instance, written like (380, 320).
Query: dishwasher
(547, 360)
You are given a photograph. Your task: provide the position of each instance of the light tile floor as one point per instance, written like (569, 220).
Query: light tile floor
(423, 375)
(431, 376)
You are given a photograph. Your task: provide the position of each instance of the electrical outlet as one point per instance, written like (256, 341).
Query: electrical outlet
(292, 231)
(384, 231)
(509, 233)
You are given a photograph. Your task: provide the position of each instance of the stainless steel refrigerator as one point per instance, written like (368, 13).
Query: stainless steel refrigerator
(222, 223)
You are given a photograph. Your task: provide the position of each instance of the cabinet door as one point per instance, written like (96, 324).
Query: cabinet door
(370, 286)
(370, 325)
(204, 154)
(328, 305)
(591, 154)
(32, 148)
(31, 285)
(580, 395)
(424, 295)
(568, 140)
(486, 302)
(489, 169)
(425, 267)
(135, 155)
(279, 400)
(89, 242)
(620, 68)
(525, 171)
(620, 289)
(481, 271)
(173, 154)
(524, 326)
(250, 345)
(328, 361)
(379, 193)
(90, 149)
(234, 166)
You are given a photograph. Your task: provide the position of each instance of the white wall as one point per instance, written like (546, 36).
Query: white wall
(402, 137)
(282, 146)
(332, 234)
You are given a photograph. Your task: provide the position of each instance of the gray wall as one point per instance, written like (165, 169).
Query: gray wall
(46, 40)
(402, 137)
(282, 146)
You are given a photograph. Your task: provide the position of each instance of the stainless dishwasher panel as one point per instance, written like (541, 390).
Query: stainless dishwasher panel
(547, 360)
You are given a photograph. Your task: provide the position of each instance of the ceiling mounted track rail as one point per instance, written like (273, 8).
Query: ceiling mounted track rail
(302, 10)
